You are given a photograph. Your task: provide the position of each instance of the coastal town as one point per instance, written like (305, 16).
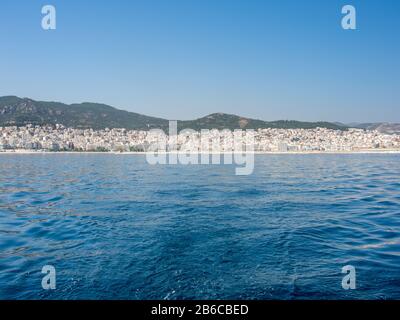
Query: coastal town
(62, 139)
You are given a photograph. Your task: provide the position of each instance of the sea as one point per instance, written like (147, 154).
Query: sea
(112, 226)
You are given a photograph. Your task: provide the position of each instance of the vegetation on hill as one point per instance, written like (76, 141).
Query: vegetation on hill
(16, 111)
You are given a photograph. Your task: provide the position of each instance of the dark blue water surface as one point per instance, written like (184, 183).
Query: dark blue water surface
(115, 227)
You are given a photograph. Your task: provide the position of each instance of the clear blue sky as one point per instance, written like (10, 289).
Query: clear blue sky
(182, 59)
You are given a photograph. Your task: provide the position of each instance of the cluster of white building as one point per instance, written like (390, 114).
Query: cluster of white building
(322, 139)
(60, 138)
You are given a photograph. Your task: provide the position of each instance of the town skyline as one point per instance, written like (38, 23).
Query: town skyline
(61, 138)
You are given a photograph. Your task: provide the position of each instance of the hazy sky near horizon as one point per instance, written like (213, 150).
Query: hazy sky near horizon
(182, 59)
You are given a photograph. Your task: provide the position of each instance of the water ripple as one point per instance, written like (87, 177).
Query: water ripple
(115, 227)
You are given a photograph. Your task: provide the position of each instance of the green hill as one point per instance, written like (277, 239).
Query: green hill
(229, 121)
(15, 111)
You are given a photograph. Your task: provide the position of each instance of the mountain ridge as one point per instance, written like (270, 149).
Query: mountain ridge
(16, 111)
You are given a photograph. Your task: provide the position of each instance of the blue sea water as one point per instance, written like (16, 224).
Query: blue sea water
(115, 227)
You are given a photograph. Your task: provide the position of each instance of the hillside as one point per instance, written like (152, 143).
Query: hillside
(388, 128)
(223, 121)
(15, 111)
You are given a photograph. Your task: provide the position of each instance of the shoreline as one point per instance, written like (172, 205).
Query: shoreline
(366, 151)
